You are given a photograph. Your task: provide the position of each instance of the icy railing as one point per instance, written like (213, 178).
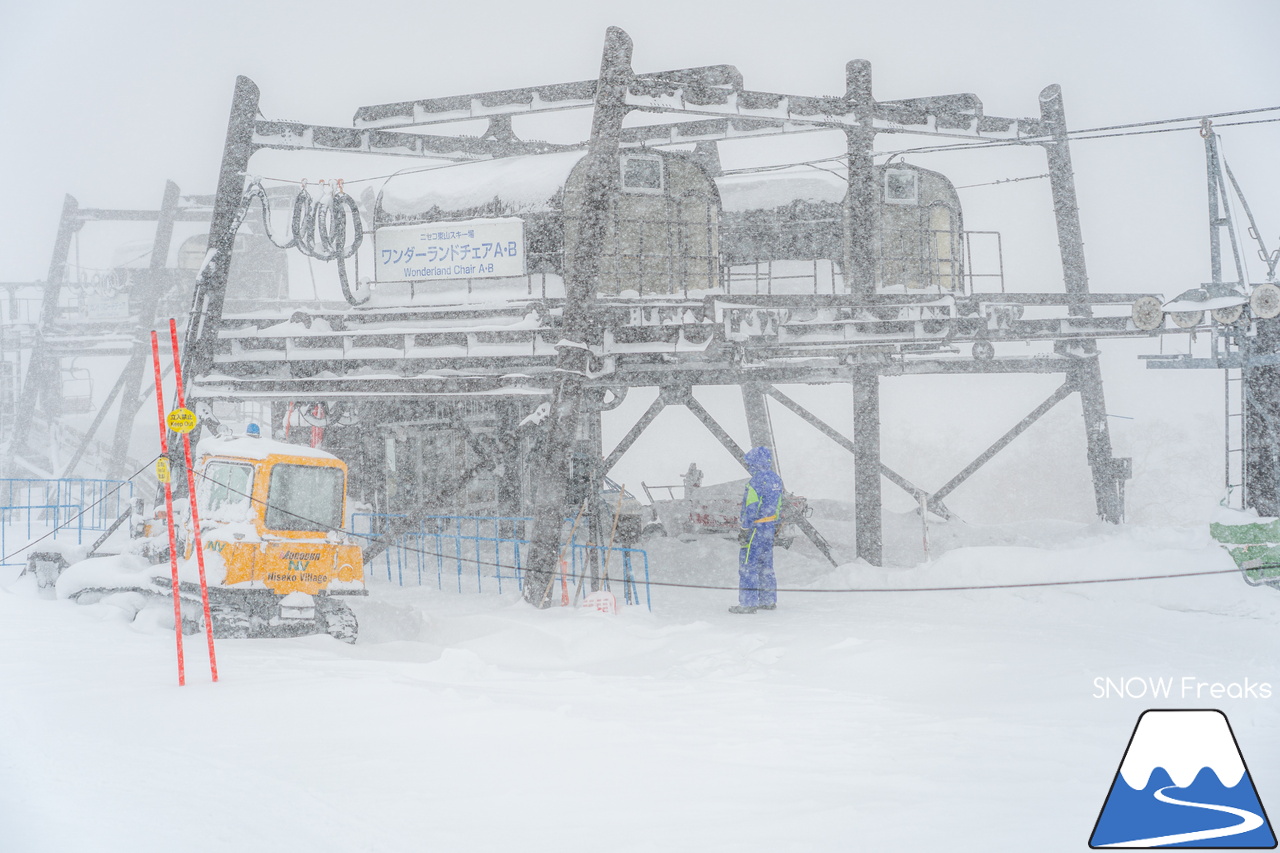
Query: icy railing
(30, 509)
(489, 549)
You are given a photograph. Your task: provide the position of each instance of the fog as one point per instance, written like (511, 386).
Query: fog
(106, 103)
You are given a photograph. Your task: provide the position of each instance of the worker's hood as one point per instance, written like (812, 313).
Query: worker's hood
(759, 459)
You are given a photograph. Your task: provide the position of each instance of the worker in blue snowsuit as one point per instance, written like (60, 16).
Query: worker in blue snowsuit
(761, 507)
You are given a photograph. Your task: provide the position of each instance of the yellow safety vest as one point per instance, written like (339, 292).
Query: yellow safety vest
(754, 497)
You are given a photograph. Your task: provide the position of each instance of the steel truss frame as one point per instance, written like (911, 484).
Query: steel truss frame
(1251, 349)
(59, 337)
(753, 342)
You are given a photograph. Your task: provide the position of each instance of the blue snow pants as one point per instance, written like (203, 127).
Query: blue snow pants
(757, 584)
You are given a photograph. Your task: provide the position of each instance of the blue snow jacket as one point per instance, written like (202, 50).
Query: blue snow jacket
(762, 501)
(761, 508)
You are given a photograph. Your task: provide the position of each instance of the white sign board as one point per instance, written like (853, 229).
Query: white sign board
(477, 248)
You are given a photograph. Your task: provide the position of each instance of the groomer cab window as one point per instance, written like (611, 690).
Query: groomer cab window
(642, 173)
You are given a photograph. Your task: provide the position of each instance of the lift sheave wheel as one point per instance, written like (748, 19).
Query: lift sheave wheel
(1227, 316)
(1186, 319)
(1148, 314)
(1264, 302)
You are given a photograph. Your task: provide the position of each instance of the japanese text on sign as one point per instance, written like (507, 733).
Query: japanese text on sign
(182, 420)
(477, 248)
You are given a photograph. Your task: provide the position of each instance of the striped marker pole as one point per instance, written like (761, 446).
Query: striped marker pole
(191, 497)
(163, 471)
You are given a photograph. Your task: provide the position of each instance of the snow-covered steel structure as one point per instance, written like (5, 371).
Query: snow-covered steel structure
(479, 368)
(58, 345)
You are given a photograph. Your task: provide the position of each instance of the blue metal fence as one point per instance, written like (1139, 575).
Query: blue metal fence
(71, 507)
(463, 550)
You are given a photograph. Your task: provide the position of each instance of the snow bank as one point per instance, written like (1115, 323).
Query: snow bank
(523, 184)
(905, 721)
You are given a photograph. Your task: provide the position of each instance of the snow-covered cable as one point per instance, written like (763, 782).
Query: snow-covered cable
(320, 230)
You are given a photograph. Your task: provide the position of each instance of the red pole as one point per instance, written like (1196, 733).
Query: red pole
(168, 504)
(191, 496)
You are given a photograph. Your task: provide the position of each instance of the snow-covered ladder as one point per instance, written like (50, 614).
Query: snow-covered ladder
(1233, 398)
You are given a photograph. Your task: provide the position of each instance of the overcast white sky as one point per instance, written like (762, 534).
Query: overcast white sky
(106, 101)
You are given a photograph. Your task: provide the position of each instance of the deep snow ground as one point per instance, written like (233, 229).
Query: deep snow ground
(875, 721)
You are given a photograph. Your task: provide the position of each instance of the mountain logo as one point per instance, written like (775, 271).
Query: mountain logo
(1183, 783)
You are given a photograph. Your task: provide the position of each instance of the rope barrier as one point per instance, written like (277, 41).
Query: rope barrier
(675, 584)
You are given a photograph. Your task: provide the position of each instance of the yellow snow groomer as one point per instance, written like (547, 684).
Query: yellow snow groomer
(271, 518)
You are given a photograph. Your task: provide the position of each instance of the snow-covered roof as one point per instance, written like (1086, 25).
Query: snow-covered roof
(246, 447)
(768, 190)
(524, 184)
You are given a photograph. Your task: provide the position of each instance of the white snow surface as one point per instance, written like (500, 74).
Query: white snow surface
(525, 185)
(247, 447)
(779, 187)
(1183, 743)
(890, 721)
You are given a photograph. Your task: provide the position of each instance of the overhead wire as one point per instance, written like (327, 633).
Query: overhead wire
(1073, 135)
(675, 584)
(670, 584)
(331, 233)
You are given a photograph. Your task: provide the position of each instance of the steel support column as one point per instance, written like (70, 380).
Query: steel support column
(866, 464)
(581, 283)
(1087, 373)
(148, 296)
(42, 368)
(211, 283)
(1262, 422)
(759, 430)
(861, 202)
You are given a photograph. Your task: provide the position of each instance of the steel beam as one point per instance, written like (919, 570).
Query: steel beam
(715, 429)
(634, 433)
(848, 444)
(1066, 210)
(149, 296)
(43, 376)
(1001, 443)
(759, 429)
(211, 283)
(861, 202)
(290, 136)
(1262, 422)
(1087, 373)
(866, 464)
(581, 283)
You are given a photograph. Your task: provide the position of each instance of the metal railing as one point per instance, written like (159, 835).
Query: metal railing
(70, 507)
(462, 551)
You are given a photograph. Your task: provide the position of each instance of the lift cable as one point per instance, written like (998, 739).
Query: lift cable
(1004, 181)
(1075, 135)
(954, 147)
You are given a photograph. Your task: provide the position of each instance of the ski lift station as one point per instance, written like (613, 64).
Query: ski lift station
(503, 294)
